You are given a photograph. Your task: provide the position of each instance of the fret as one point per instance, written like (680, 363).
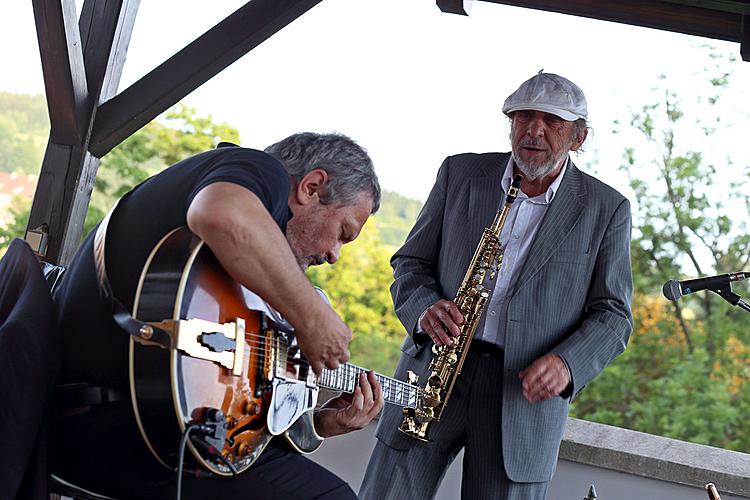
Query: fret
(346, 378)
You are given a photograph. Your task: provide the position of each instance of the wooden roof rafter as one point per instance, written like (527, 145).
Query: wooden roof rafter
(720, 19)
(82, 62)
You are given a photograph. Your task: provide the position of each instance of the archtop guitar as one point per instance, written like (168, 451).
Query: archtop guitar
(233, 377)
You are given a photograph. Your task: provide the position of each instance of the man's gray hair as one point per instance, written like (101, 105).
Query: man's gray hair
(349, 167)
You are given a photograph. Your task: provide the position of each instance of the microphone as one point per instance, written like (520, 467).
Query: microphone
(674, 289)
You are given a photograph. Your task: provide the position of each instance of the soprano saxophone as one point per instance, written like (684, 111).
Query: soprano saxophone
(471, 298)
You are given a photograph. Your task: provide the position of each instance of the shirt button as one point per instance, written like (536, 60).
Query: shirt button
(515, 236)
(492, 313)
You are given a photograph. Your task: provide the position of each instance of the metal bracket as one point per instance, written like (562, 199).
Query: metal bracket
(37, 239)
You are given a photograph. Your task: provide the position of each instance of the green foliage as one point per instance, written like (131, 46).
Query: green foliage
(357, 286)
(13, 224)
(685, 374)
(24, 128)
(396, 217)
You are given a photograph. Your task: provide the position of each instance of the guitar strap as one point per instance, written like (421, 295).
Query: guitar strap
(141, 332)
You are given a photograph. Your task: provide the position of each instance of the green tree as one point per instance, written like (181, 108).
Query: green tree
(14, 224)
(180, 133)
(396, 218)
(689, 355)
(24, 128)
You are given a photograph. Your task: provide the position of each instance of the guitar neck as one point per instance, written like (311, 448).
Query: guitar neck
(346, 377)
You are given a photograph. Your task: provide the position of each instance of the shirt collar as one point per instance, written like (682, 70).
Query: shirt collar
(542, 199)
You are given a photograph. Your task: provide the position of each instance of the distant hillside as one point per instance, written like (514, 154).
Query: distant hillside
(396, 217)
(24, 129)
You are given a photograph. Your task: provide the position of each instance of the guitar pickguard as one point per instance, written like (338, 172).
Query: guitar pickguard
(290, 399)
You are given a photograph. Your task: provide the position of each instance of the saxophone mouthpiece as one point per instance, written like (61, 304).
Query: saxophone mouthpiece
(514, 187)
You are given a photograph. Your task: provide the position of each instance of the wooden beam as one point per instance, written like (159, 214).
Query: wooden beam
(745, 43)
(61, 200)
(663, 15)
(63, 69)
(106, 27)
(199, 61)
(462, 7)
(68, 171)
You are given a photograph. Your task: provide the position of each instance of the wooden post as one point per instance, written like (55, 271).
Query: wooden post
(82, 64)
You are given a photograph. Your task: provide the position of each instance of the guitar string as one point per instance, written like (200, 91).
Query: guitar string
(408, 391)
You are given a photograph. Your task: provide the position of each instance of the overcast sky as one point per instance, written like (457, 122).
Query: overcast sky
(410, 83)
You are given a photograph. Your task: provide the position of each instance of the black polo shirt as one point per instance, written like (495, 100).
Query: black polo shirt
(95, 349)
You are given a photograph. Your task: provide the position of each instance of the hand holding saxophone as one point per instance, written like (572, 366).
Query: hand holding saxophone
(546, 377)
(441, 322)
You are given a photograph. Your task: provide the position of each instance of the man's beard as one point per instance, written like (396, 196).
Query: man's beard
(534, 172)
(310, 260)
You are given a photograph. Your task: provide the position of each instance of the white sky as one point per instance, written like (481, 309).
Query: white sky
(410, 83)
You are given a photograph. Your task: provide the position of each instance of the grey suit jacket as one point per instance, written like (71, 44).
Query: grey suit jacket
(572, 296)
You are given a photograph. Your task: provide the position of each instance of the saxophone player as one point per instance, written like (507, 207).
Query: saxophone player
(558, 314)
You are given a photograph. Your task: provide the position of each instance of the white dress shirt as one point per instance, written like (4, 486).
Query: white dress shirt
(521, 225)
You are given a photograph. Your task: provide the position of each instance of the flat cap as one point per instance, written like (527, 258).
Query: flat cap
(549, 93)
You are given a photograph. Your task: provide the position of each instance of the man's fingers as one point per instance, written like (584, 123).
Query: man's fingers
(542, 380)
(446, 319)
(439, 335)
(366, 389)
(317, 367)
(455, 313)
(331, 363)
(358, 401)
(377, 393)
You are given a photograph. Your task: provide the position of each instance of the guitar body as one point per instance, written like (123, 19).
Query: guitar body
(170, 389)
(231, 377)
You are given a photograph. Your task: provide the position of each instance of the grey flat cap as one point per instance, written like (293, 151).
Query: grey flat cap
(549, 93)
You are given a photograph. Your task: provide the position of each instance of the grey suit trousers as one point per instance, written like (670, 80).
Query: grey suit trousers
(469, 421)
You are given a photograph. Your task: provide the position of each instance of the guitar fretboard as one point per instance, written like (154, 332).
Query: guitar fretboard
(346, 377)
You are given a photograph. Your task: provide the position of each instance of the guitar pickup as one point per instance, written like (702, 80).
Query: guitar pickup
(222, 343)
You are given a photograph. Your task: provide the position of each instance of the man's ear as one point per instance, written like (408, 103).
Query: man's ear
(579, 140)
(311, 186)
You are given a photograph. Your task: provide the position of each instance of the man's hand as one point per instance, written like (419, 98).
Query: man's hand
(350, 412)
(324, 339)
(546, 377)
(441, 321)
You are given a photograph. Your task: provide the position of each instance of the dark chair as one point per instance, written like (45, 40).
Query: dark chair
(29, 361)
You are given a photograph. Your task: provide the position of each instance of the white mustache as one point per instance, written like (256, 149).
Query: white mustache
(534, 143)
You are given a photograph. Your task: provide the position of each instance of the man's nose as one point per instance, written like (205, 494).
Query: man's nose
(536, 127)
(332, 256)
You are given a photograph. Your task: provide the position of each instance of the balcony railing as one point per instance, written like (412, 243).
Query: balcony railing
(622, 464)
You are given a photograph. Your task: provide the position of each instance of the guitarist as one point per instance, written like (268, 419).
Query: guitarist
(266, 216)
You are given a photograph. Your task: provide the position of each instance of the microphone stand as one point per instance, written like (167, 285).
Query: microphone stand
(733, 298)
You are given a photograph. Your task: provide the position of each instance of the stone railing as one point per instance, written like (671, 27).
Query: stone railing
(622, 464)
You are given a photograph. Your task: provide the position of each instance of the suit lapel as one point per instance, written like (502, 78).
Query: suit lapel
(485, 193)
(563, 214)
